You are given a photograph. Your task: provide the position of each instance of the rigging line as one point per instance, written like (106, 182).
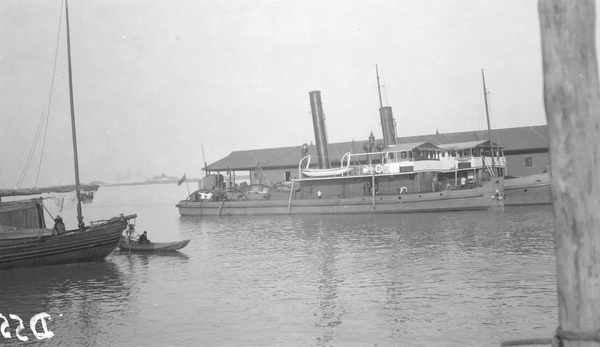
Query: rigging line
(540, 135)
(286, 153)
(31, 152)
(51, 216)
(491, 125)
(337, 153)
(50, 97)
(259, 167)
(482, 97)
(351, 146)
(450, 138)
(270, 160)
(35, 142)
(255, 160)
(497, 131)
(435, 142)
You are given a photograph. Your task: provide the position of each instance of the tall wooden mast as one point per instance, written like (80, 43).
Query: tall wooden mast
(378, 87)
(487, 115)
(74, 133)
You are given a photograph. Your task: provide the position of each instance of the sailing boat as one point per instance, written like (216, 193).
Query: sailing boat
(25, 241)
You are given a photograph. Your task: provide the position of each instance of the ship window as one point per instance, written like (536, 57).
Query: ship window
(528, 161)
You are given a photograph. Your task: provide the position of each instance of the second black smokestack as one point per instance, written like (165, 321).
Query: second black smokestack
(316, 108)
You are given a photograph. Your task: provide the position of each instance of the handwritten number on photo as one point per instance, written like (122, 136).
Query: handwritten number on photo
(46, 334)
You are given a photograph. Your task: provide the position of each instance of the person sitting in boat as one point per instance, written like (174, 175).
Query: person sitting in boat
(143, 240)
(59, 226)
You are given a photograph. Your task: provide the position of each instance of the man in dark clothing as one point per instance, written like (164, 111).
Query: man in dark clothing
(59, 226)
(366, 187)
(143, 240)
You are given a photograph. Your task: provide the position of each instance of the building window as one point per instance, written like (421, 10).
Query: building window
(287, 176)
(528, 161)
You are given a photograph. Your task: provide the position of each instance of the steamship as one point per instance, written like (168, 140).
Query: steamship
(385, 178)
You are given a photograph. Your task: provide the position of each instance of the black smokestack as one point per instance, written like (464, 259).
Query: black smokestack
(388, 126)
(316, 108)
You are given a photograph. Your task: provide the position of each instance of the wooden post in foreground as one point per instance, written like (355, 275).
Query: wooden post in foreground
(572, 101)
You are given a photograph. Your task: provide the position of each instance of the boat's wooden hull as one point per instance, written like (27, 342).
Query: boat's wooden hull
(153, 247)
(528, 190)
(91, 245)
(448, 200)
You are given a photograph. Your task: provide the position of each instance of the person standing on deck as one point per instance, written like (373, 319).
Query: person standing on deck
(366, 188)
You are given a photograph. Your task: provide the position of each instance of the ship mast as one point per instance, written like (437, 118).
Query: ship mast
(378, 86)
(487, 115)
(74, 133)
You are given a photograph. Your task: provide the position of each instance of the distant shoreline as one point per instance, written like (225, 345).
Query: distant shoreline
(144, 183)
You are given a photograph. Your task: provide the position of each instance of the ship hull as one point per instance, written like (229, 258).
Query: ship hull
(91, 245)
(528, 190)
(484, 197)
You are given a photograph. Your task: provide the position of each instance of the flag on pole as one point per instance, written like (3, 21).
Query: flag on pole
(181, 180)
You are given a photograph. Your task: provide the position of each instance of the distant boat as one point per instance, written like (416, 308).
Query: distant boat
(25, 241)
(151, 247)
(387, 178)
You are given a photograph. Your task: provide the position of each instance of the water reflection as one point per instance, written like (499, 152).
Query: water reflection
(77, 297)
(330, 308)
(436, 269)
(175, 257)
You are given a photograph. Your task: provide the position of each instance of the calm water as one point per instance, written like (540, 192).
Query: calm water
(437, 279)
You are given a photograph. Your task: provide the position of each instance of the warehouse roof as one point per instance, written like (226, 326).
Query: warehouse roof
(532, 138)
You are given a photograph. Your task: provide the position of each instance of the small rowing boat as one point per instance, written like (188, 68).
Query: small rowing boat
(151, 247)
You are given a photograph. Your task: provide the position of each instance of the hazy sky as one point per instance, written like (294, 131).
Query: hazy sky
(156, 80)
